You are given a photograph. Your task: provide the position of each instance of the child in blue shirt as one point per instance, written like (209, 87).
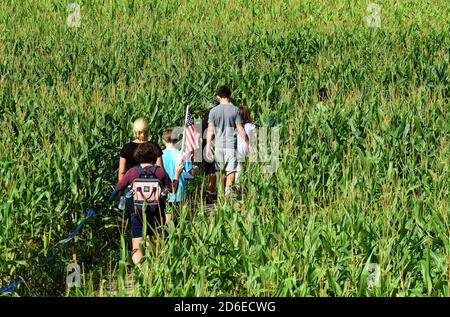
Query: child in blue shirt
(171, 156)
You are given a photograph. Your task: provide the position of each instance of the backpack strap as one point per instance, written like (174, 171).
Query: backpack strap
(141, 170)
(150, 172)
(153, 170)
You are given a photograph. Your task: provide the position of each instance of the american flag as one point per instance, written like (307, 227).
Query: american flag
(191, 136)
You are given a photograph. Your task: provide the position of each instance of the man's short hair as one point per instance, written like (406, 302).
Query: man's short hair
(224, 92)
(169, 137)
(323, 94)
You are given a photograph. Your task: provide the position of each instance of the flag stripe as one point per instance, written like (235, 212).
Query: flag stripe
(191, 140)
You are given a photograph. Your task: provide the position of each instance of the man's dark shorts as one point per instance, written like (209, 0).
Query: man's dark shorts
(210, 168)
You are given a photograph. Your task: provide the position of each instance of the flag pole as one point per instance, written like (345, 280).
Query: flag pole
(184, 133)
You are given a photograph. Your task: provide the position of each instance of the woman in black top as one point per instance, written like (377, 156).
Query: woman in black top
(127, 160)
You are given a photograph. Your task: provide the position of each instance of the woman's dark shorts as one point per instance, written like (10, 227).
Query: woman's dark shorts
(155, 218)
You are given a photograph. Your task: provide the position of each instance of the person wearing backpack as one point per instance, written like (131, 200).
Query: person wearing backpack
(148, 184)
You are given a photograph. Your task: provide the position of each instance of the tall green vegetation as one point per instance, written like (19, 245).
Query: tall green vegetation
(365, 182)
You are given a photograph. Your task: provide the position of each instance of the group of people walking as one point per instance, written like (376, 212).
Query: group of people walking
(153, 180)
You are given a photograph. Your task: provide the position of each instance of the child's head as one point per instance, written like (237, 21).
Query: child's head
(245, 114)
(323, 95)
(169, 137)
(140, 129)
(224, 92)
(146, 153)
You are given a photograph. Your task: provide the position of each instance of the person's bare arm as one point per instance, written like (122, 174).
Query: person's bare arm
(159, 161)
(210, 133)
(209, 136)
(122, 166)
(194, 170)
(252, 142)
(240, 129)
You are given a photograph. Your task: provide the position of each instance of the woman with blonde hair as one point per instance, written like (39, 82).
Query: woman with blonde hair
(127, 160)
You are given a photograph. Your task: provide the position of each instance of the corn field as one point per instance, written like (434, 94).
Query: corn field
(365, 182)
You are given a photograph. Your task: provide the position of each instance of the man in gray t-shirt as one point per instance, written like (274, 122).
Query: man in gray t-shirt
(223, 122)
